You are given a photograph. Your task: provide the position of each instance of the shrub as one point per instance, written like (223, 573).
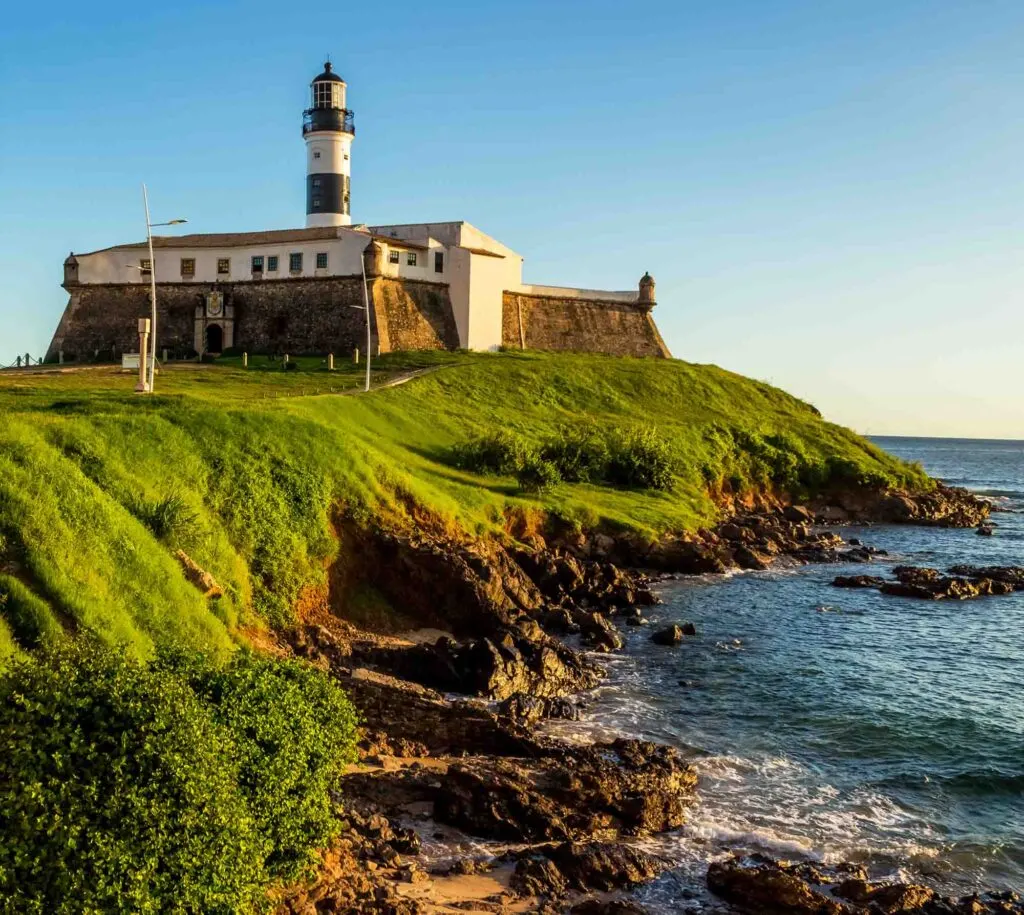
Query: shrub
(119, 793)
(294, 730)
(536, 474)
(581, 455)
(169, 518)
(639, 458)
(502, 453)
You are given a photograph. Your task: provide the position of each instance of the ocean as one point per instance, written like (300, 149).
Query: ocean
(846, 724)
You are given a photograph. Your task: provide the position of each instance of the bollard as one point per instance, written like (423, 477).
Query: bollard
(245, 360)
(330, 362)
(60, 357)
(355, 355)
(163, 353)
(378, 351)
(285, 358)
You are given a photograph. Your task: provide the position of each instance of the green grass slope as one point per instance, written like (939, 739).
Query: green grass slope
(242, 470)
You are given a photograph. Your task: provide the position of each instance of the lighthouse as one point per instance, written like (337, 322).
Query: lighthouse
(328, 128)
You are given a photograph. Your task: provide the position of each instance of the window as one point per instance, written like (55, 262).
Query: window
(223, 266)
(410, 258)
(438, 262)
(188, 266)
(316, 182)
(295, 263)
(316, 203)
(394, 256)
(327, 95)
(272, 263)
(321, 260)
(316, 154)
(145, 265)
(257, 264)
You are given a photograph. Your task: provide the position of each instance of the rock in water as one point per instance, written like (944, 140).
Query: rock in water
(669, 635)
(858, 581)
(757, 884)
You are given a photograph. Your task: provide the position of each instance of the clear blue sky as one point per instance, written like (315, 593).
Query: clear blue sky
(829, 194)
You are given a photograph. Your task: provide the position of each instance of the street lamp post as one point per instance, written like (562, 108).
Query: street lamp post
(366, 309)
(152, 284)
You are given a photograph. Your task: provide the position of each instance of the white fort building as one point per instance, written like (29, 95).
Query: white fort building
(433, 285)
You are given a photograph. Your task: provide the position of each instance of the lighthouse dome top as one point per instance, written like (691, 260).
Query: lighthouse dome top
(328, 76)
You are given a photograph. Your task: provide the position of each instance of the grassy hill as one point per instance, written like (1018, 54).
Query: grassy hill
(243, 470)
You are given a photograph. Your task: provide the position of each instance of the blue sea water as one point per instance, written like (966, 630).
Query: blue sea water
(846, 724)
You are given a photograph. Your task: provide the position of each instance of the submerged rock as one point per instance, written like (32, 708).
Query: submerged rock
(672, 635)
(858, 581)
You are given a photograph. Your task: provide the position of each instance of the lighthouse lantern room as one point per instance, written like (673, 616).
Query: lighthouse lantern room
(328, 128)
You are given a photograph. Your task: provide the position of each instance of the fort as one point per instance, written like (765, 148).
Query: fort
(442, 285)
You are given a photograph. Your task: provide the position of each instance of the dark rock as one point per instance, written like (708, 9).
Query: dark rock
(943, 506)
(929, 584)
(537, 875)
(599, 632)
(511, 662)
(747, 558)
(608, 907)
(798, 514)
(757, 884)
(559, 621)
(526, 709)
(553, 870)
(668, 635)
(1011, 575)
(986, 530)
(409, 720)
(858, 581)
(628, 787)
(603, 866)
(466, 867)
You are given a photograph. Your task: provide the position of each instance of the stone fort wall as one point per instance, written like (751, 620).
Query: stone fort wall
(281, 316)
(552, 322)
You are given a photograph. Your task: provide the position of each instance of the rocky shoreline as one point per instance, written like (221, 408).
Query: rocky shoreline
(452, 758)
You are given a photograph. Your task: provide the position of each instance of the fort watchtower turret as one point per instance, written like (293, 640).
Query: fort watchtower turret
(328, 128)
(646, 294)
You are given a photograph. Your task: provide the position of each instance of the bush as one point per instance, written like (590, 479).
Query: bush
(175, 786)
(502, 453)
(294, 730)
(580, 455)
(639, 458)
(537, 475)
(118, 793)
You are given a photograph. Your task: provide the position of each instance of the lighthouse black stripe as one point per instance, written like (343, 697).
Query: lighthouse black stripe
(327, 193)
